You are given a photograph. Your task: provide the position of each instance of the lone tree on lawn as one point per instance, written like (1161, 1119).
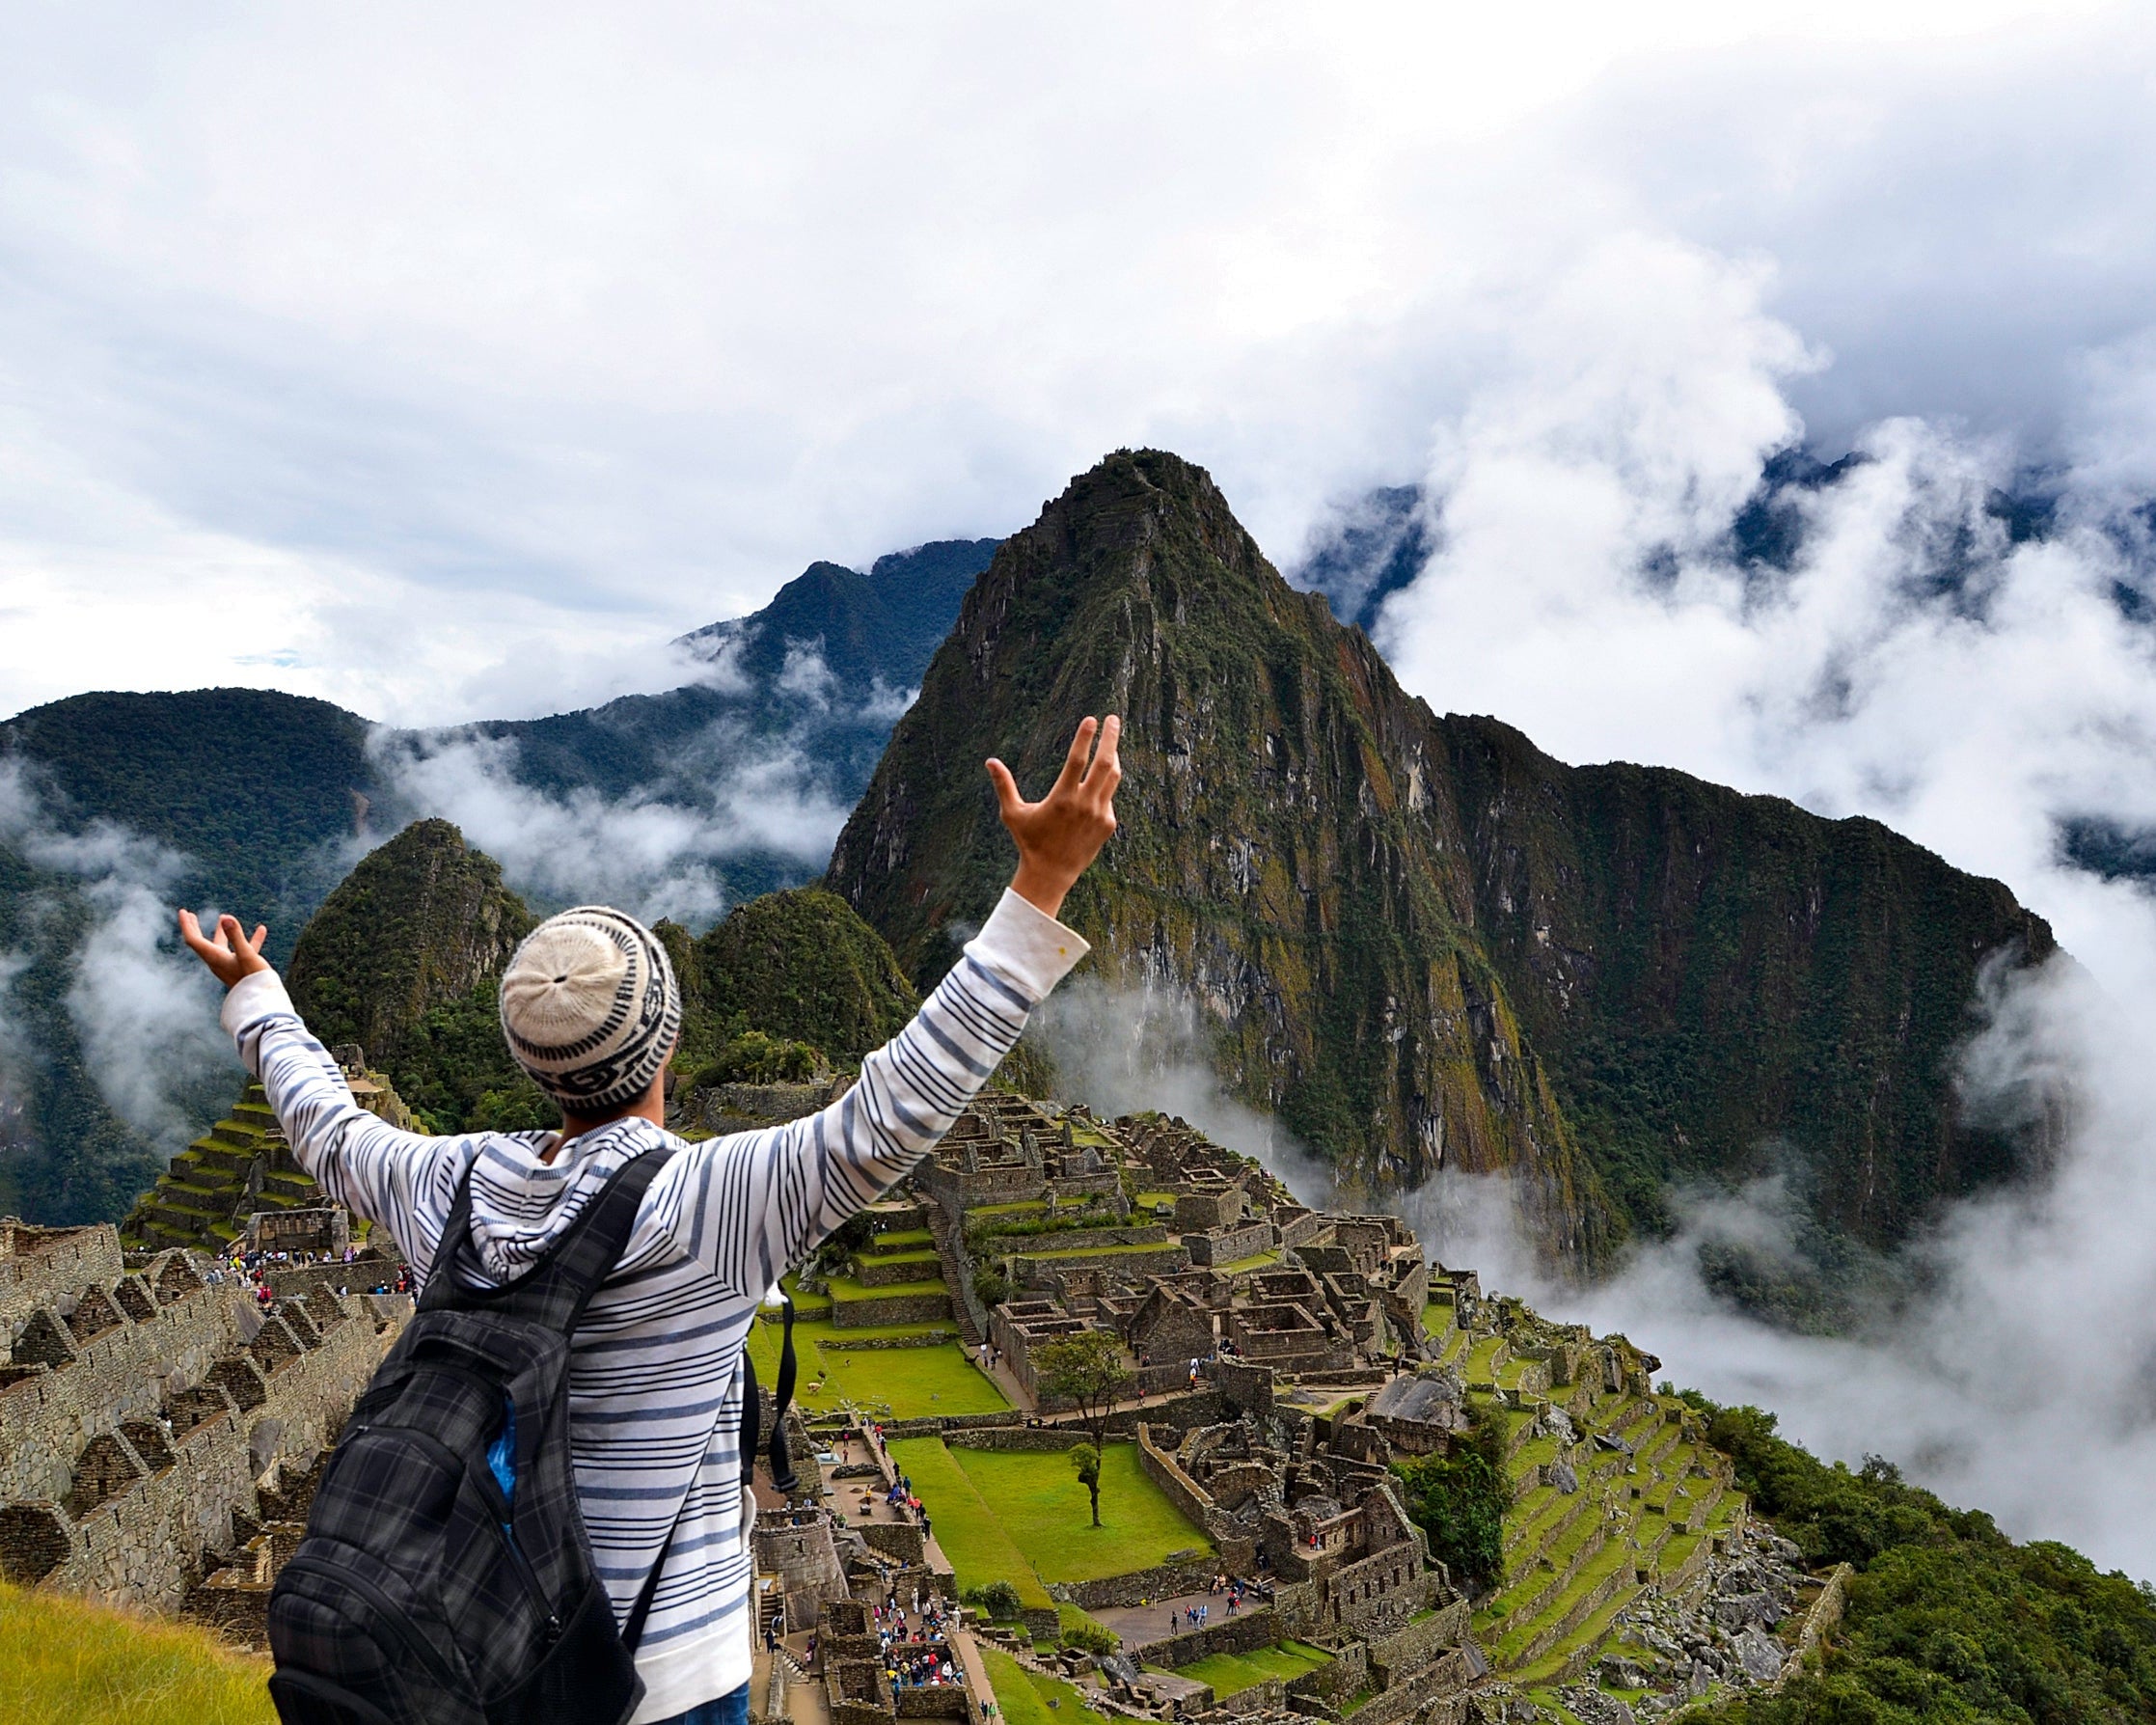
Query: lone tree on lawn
(1086, 1370)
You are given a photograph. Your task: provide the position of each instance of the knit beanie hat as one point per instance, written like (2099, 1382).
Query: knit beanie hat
(589, 1008)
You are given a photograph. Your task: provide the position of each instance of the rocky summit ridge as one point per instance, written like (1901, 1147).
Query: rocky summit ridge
(1420, 940)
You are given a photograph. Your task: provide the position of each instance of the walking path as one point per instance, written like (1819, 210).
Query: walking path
(1141, 1625)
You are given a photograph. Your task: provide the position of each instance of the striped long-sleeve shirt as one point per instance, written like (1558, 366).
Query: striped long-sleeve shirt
(655, 1382)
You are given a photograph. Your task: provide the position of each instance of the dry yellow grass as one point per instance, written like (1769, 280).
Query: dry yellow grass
(63, 1662)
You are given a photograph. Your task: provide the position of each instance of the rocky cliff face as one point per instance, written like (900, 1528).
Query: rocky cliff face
(1421, 942)
(416, 925)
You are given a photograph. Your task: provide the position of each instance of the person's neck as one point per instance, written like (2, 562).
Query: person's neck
(651, 1108)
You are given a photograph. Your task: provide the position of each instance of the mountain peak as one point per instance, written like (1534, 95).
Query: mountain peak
(415, 923)
(1419, 941)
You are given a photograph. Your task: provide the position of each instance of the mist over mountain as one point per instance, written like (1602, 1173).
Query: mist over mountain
(113, 806)
(1420, 941)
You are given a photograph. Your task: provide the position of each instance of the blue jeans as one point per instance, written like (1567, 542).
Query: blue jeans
(727, 1709)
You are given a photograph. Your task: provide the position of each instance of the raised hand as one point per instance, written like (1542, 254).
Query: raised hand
(232, 953)
(1059, 835)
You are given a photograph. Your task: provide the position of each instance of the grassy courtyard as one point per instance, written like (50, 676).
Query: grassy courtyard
(1022, 1516)
(1024, 1696)
(910, 1382)
(981, 1549)
(1036, 1497)
(63, 1662)
(1230, 1673)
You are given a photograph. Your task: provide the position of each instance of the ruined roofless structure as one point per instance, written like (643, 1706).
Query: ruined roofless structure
(159, 1440)
(1331, 1352)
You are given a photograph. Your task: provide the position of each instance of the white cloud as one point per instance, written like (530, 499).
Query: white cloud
(650, 853)
(321, 327)
(1125, 1048)
(1915, 664)
(144, 1009)
(2015, 1379)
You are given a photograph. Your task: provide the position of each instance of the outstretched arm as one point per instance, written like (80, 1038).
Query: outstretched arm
(366, 1163)
(749, 1206)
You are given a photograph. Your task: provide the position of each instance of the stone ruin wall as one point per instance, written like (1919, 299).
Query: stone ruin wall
(132, 1455)
(127, 1370)
(43, 1266)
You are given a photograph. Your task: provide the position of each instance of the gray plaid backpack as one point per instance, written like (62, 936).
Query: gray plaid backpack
(446, 1577)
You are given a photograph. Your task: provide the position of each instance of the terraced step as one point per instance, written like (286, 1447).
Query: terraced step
(1553, 1627)
(1579, 1548)
(1533, 1514)
(1575, 1657)
(159, 1235)
(1671, 1435)
(1546, 1528)
(1633, 1425)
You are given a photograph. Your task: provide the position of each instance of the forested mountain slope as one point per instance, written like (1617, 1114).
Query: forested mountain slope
(258, 803)
(1423, 941)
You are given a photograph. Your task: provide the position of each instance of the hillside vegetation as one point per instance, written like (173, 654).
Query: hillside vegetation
(405, 959)
(416, 925)
(263, 798)
(1424, 943)
(1946, 1618)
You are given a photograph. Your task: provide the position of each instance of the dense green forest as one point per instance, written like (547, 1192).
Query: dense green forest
(1946, 1618)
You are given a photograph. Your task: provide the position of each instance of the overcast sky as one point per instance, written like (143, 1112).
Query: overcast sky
(440, 361)
(444, 362)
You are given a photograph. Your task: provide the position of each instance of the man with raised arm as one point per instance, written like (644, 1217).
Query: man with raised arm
(590, 1009)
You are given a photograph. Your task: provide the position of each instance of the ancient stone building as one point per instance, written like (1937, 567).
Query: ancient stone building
(148, 1403)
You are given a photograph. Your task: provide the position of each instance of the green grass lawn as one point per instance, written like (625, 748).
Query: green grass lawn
(899, 1238)
(1023, 1695)
(980, 1549)
(1256, 1261)
(845, 1288)
(1022, 1516)
(916, 1261)
(63, 1662)
(912, 1382)
(1037, 1498)
(1230, 1673)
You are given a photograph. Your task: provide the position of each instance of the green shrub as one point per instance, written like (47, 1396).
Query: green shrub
(1460, 1500)
(999, 1599)
(1091, 1637)
(756, 1059)
(1946, 1617)
(990, 1285)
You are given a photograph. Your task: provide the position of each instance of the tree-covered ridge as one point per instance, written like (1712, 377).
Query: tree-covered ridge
(254, 790)
(405, 959)
(1709, 972)
(1946, 1618)
(264, 798)
(800, 965)
(48, 1094)
(823, 664)
(414, 926)
(1424, 943)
